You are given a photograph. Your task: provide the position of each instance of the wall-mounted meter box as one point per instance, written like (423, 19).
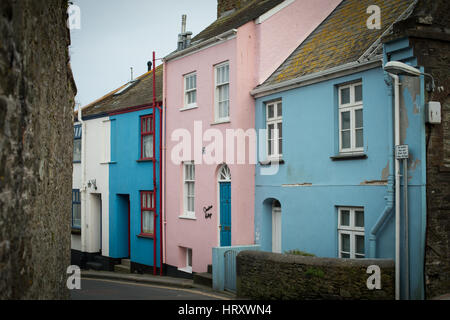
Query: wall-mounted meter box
(434, 112)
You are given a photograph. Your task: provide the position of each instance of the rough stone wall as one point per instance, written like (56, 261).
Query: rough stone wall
(272, 276)
(36, 140)
(429, 34)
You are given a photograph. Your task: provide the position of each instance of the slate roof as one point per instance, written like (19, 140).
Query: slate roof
(343, 37)
(247, 13)
(138, 94)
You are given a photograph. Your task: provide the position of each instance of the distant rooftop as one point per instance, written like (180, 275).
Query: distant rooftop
(132, 94)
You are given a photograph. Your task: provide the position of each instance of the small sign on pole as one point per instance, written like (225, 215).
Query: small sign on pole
(401, 152)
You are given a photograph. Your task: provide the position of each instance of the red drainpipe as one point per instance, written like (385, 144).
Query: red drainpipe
(154, 165)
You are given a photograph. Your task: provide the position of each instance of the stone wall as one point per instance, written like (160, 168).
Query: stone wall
(427, 30)
(36, 139)
(272, 276)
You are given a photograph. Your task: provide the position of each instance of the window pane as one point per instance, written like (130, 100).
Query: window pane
(345, 120)
(76, 215)
(360, 244)
(345, 255)
(77, 150)
(147, 146)
(271, 131)
(279, 110)
(345, 218)
(345, 96)
(280, 130)
(147, 222)
(359, 138)
(359, 219)
(358, 118)
(345, 242)
(270, 111)
(345, 139)
(280, 146)
(358, 93)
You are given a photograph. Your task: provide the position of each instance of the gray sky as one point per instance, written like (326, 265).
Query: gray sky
(118, 34)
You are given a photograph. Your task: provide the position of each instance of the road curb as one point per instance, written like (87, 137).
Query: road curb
(163, 281)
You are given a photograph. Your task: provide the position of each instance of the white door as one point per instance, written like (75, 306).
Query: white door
(276, 229)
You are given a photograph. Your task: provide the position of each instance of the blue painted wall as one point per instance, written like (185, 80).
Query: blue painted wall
(310, 138)
(128, 176)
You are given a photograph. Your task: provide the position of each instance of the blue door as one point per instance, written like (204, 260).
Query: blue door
(225, 214)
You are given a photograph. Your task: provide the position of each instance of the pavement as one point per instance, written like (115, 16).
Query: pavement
(162, 281)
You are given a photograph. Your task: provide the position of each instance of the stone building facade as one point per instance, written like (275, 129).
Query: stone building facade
(429, 35)
(36, 137)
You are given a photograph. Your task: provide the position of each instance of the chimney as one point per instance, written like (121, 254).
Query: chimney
(184, 38)
(226, 7)
(149, 66)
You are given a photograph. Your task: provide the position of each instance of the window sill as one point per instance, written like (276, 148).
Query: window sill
(187, 217)
(186, 108)
(145, 160)
(220, 122)
(186, 269)
(270, 162)
(349, 156)
(145, 236)
(76, 231)
(108, 162)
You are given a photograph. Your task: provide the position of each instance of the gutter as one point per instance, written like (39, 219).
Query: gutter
(348, 68)
(198, 46)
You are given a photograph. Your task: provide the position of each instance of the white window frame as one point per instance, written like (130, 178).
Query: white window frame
(187, 267)
(186, 182)
(275, 120)
(187, 105)
(352, 230)
(217, 118)
(351, 107)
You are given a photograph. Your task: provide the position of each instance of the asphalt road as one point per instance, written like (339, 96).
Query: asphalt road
(93, 289)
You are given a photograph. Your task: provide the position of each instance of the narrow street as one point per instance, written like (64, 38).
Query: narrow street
(96, 289)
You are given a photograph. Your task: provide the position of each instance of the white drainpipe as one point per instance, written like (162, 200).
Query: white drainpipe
(397, 185)
(83, 181)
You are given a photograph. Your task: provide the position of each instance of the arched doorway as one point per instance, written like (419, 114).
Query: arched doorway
(224, 187)
(276, 226)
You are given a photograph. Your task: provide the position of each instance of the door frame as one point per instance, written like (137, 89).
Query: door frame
(219, 180)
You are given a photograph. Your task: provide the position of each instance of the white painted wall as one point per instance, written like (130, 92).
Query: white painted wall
(97, 137)
(97, 168)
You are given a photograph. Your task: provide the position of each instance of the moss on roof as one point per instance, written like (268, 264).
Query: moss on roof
(343, 37)
(138, 94)
(247, 13)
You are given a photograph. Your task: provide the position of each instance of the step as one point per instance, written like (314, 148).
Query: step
(94, 265)
(125, 262)
(210, 268)
(204, 279)
(121, 268)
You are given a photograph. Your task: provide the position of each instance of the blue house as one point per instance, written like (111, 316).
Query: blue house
(325, 183)
(134, 175)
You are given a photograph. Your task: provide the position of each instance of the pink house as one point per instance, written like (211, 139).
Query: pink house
(209, 194)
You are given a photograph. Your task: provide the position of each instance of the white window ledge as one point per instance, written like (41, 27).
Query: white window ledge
(186, 269)
(220, 122)
(183, 216)
(185, 108)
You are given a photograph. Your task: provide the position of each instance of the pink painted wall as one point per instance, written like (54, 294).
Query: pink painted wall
(255, 52)
(282, 33)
